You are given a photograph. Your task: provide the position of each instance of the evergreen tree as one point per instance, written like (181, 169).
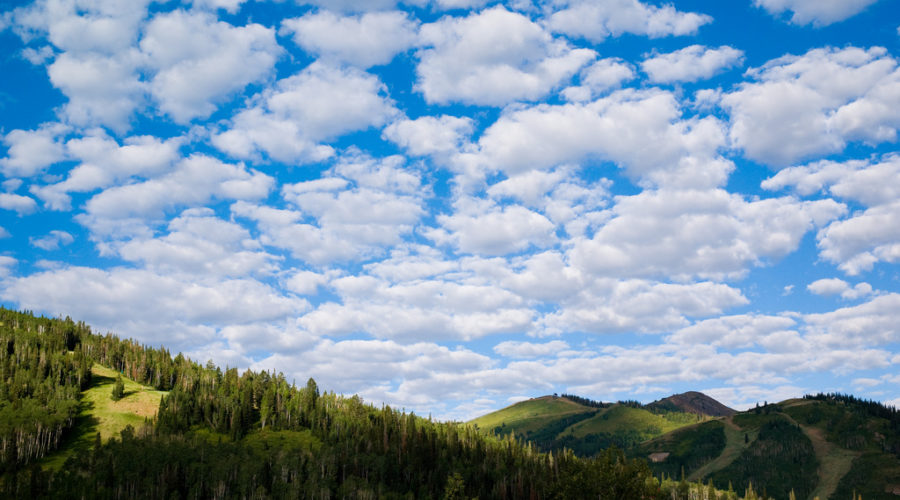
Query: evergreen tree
(118, 390)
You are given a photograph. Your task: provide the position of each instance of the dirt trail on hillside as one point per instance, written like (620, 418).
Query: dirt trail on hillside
(734, 445)
(834, 462)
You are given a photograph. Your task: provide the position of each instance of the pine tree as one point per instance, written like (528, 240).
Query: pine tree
(118, 391)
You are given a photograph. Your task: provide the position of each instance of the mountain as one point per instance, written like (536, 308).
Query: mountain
(693, 402)
(826, 446)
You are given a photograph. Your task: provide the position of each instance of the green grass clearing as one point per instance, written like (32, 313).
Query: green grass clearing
(734, 445)
(100, 414)
(530, 415)
(620, 418)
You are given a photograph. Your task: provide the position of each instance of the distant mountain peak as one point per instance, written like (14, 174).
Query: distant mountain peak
(693, 402)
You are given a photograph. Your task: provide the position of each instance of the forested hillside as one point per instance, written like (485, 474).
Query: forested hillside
(223, 434)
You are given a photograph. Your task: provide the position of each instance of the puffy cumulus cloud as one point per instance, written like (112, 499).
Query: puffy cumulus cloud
(230, 6)
(97, 67)
(321, 102)
(198, 61)
(52, 240)
(687, 234)
(867, 237)
(492, 57)
(615, 306)
(432, 309)
(365, 40)
(690, 64)
(639, 130)
(602, 75)
(858, 243)
(595, 21)
(481, 228)
(6, 265)
(430, 135)
(194, 181)
(370, 367)
(868, 182)
(834, 286)
(816, 12)
(870, 324)
(104, 162)
(516, 349)
(82, 25)
(200, 243)
(22, 205)
(741, 331)
(811, 105)
(361, 207)
(31, 151)
(305, 282)
(102, 90)
(153, 307)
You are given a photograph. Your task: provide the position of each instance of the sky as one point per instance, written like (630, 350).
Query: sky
(452, 205)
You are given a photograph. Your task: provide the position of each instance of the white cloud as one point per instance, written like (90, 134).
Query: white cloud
(321, 102)
(870, 183)
(834, 286)
(492, 58)
(497, 230)
(613, 306)
(365, 40)
(430, 135)
(731, 332)
(639, 130)
(153, 307)
(817, 12)
(359, 209)
(194, 181)
(690, 64)
(872, 323)
(31, 151)
(828, 286)
(199, 243)
(684, 234)
(595, 21)
(104, 162)
(53, 240)
(22, 205)
(516, 349)
(603, 75)
(812, 105)
(199, 61)
(230, 6)
(305, 282)
(857, 243)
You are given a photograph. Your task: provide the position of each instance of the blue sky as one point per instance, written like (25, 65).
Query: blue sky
(451, 205)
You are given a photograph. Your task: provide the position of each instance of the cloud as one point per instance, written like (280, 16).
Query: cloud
(857, 243)
(194, 181)
(690, 64)
(812, 105)
(596, 21)
(868, 182)
(321, 102)
(872, 323)
(52, 240)
(365, 40)
(104, 162)
(492, 58)
(22, 205)
(620, 128)
(157, 308)
(741, 331)
(602, 75)
(31, 151)
(199, 243)
(516, 349)
(198, 61)
(495, 230)
(359, 209)
(429, 134)
(816, 12)
(711, 234)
